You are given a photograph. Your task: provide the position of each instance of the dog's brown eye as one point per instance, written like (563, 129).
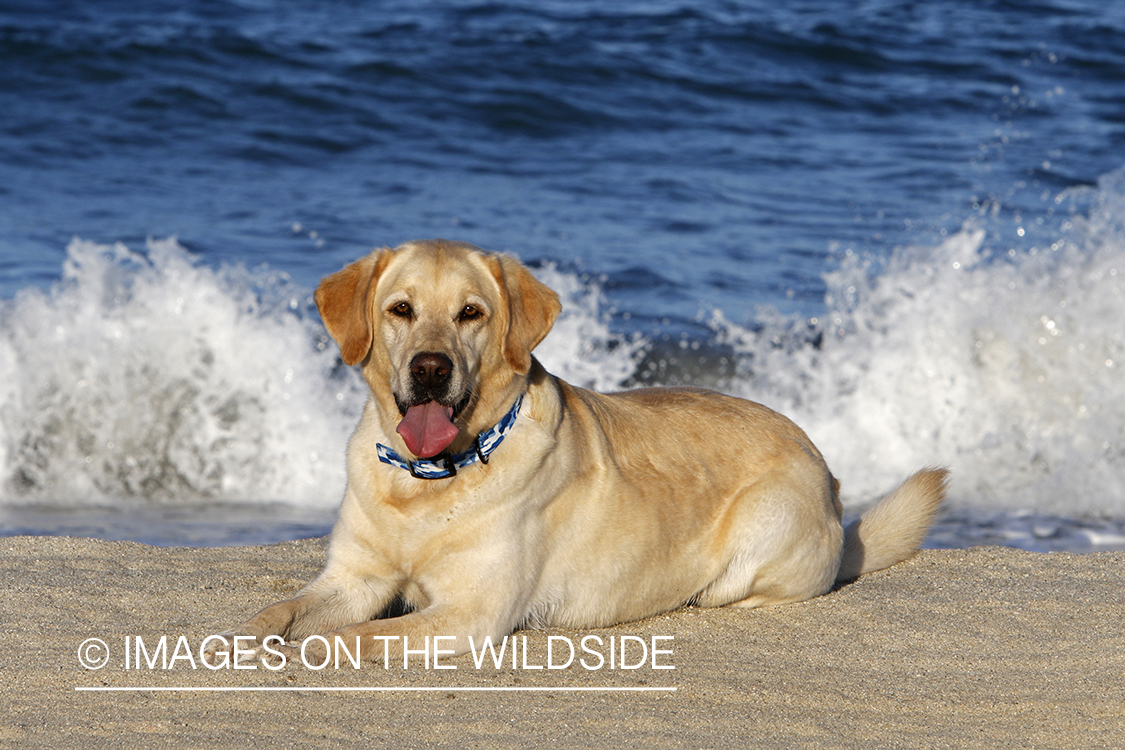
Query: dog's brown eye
(402, 310)
(470, 312)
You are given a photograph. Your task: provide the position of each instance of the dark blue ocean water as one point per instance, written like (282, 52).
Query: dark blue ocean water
(900, 223)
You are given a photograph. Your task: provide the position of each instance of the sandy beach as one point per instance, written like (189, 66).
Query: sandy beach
(985, 647)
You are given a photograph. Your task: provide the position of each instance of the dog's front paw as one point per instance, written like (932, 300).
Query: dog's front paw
(230, 647)
(241, 650)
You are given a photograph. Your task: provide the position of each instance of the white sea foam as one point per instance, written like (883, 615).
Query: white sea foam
(1007, 368)
(148, 375)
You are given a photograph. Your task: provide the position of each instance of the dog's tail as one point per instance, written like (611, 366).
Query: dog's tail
(892, 531)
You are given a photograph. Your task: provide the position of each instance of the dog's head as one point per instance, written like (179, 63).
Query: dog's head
(445, 333)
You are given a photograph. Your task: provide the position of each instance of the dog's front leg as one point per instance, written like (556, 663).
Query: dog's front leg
(326, 604)
(419, 636)
(454, 611)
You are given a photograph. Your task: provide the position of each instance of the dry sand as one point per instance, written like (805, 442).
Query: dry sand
(986, 647)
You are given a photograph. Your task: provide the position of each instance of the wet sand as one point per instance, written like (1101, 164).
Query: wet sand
(978, 648)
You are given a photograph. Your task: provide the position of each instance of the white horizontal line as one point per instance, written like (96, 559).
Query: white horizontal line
(265, 689)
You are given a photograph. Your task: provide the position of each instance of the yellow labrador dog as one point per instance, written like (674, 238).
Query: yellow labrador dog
(489, 495)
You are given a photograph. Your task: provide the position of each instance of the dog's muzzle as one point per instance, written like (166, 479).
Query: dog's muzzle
(427, 425)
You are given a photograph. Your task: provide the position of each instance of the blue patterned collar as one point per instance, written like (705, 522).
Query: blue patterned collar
(444, 465)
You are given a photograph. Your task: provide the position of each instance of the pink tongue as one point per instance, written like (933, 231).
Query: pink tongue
(427, 430)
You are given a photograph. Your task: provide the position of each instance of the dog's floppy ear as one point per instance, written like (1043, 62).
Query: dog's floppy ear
(342, 299)
(531, 307)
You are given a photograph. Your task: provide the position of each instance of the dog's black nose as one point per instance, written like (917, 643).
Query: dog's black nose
(431, 369)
